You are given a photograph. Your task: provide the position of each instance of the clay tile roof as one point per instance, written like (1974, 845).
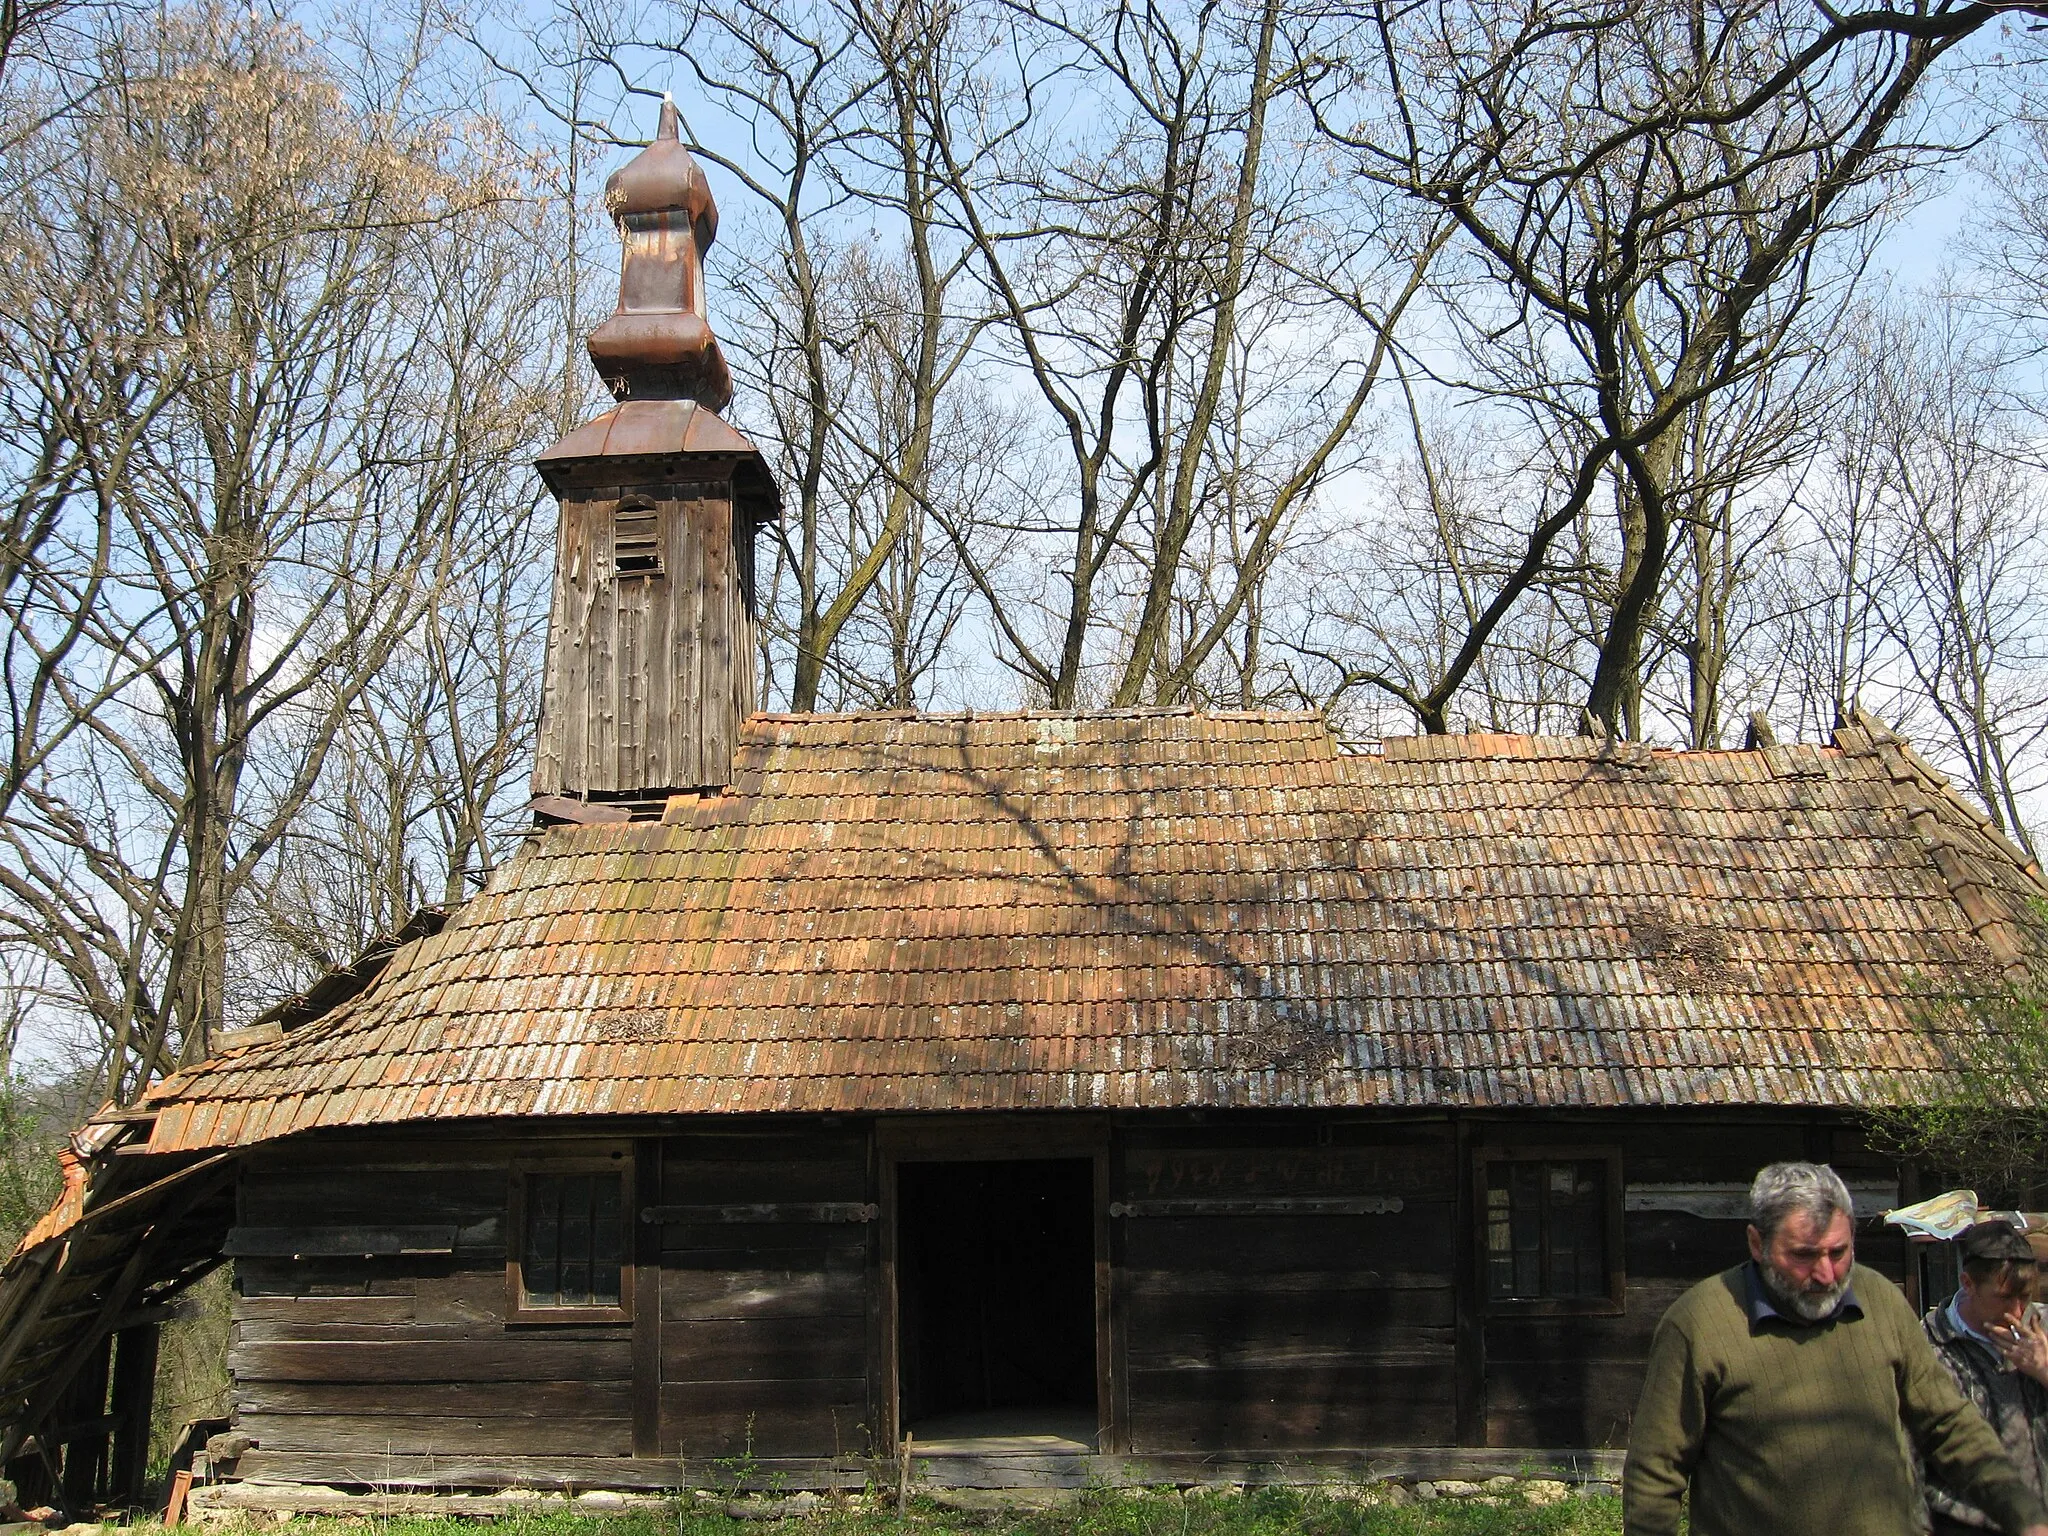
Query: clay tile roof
(1137, 910)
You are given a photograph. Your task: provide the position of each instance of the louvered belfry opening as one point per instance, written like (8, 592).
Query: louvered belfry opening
(652, 635)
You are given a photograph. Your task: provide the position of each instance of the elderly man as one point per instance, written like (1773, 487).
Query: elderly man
(1990, 1340)
(1777, 1392)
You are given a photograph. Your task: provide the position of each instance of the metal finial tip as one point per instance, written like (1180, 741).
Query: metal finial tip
(670, 129)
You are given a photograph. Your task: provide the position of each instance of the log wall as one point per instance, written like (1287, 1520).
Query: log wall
(398, 1355)
(1277, 1332)
(764, 1338)
(1278, 1286)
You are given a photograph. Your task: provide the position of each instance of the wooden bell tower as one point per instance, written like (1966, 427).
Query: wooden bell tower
(651, 639)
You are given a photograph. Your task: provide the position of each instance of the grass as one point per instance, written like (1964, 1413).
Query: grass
(1259, 1512)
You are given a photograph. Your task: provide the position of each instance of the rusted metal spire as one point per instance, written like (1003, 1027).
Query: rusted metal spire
(659, 346)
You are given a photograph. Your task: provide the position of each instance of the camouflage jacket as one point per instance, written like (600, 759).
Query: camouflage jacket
(2015, 1405)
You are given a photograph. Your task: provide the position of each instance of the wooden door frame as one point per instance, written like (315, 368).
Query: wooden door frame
(997, 1139)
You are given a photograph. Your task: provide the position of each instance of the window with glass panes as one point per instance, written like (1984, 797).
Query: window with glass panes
(1547, 1229)
(573, 1247)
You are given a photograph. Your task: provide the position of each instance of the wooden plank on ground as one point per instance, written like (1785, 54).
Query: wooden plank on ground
(285, 1498)
(374, 1470)
(466, 1434)
(1296, 1469)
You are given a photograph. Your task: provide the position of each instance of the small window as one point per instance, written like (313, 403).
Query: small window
(568, 1245)
(1550, 1230)
(636, 538)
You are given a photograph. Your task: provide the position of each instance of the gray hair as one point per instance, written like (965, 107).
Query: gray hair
(1812, 1188)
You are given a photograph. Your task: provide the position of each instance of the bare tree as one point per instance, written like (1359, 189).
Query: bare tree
(1651, 198)
(1966, 608)
(262, 541)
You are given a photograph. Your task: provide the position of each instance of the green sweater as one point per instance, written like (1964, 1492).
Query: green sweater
(1797, 1428)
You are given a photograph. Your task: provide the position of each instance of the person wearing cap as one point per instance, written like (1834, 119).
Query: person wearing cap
(1990, 1340)
(1782, 1396)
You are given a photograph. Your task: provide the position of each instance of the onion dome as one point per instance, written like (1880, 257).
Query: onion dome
(658, 345)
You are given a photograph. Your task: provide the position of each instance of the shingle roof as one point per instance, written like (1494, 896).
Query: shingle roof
(1170, 909)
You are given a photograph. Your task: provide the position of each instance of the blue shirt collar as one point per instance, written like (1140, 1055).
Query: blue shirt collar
(1760, 1307)
(1955, 1316)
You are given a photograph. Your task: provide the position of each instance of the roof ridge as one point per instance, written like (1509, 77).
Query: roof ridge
(1129, 712)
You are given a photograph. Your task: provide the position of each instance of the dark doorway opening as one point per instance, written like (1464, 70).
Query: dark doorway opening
(996, 1298)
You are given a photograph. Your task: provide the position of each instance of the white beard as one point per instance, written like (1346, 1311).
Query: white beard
(1808, 1305)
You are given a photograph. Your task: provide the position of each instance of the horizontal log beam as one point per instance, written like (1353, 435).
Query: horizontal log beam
(1265, 1205)
(963, 1470)
(337, 1242)
(791, 1211)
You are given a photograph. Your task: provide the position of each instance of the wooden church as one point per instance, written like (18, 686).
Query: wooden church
(1132, 1094)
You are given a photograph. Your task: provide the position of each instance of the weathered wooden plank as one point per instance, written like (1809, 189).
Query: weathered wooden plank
(974, 1470)
(1259, 1205)
(1332, 1314)
(338, 1242)
(702, 1420)
(719, 596)
(1310, 1282)
(1416, 1240)
(426, 1336)
(1673, 1151)
(646, 1277)
(836, 1291)
(1730, 1201)
(762, 1245)
(1364, 1319)
(1432, 1348)
(1569, 1340)
(583, 813)
(1594, 1423)
(772, 1169)
(602, 681)
(1662, 1246)
(338, 1196)
(281, 1278)
(763, 1213)
(374, 1469)
(764, 1349)
(389, 1310)
(1406, 1172)
(633, 596)
(1347, 1466)
(471, 1434)
(517, 1357)
(1222, 1411)
(530, 1399)
(1603, 1390)
(739, 608)
(405, 1152)
(470, 1298)
(686, 599)
(296, 1499)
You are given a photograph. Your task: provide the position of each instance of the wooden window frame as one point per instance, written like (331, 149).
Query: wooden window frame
(1612, 1234)
(517, 1310)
